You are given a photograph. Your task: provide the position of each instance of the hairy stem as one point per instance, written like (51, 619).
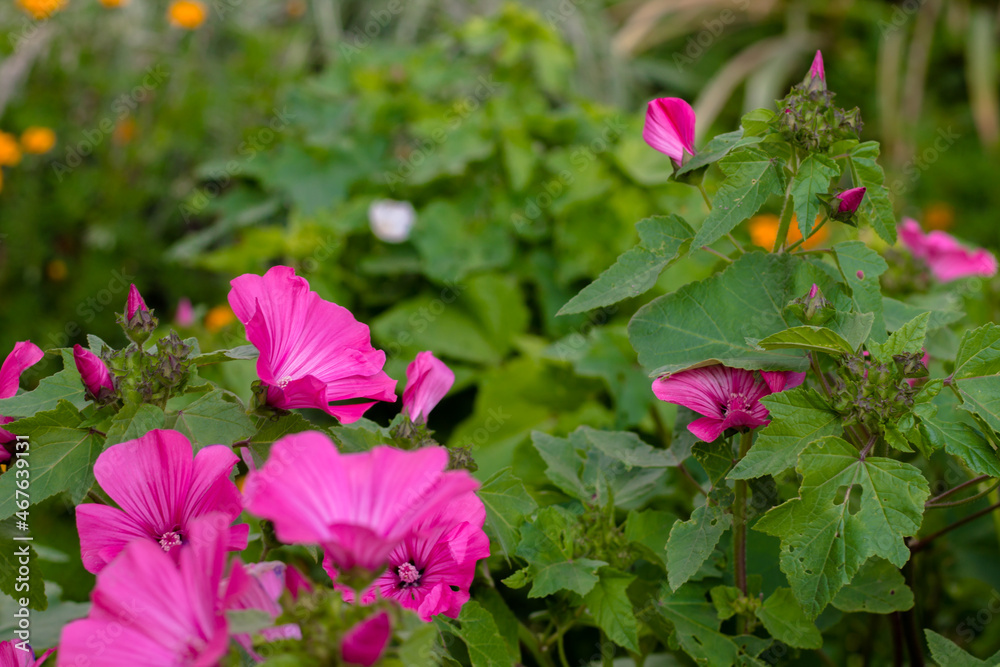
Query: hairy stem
(740, 529)
(921, 544)
(974, 480)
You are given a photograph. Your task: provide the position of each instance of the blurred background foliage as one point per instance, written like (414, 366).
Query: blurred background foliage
(262, 133)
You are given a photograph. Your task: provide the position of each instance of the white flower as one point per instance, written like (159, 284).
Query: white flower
(391, 221)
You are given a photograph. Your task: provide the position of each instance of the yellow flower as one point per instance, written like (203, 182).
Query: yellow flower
(218, 318)
(10, 152)
(111, 4)
(764, 231)
(38, 140)
(187, 14)
(41, 9)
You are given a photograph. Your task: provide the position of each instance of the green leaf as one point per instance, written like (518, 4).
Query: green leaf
(505, 619)
(547, 544)
(12, 551)
(751, 177)
(724, 598)
(507, 505)
(908, 339)
(270, 431)
(713, 151)
(813, 178)
(977, 373)
(944, 310)
(65, 385)
(564, 464)
(612, 611)
(629, 448)
(696, 626)
(61, 457)
(716, 458)
(691, 542)
(961, 440)
(661, 240)
(819, 339)
(948, 654)
(481, 636)
(782, 615)
(866, 292)
(876, 209)
(360, 436)
(822, 543)
(648, 529)
(711, 320)
(217, 418)
(877, 588)
(419, 648)
(798, 417)
(134, 421)
(239, 353)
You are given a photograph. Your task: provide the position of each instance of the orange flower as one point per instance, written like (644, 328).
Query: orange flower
(38, 140)
(56, 270)
(111, 4)
(218, 318)
(187, 14)
(764, 231)
(10, 152)
(939, 215)
(41, 9)
(295, 8)
(124, 131)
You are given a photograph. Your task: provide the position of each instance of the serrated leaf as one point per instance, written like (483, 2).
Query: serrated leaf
(711, 320)
(961, 440)
(908, 339)
(877, 588)
(65, 385)
(713, 151)
(506, 621)
(948, 654)
(822, 544)
(715, 457)
(269, 431)
(609, 604)
(876, 209)
(798, 417)
(819, 339)
(813, 178)
(782, 616)
(751, 177)
(629, 448)
(724, 598)
(696, 625)
(133, 421)
(661, 240)
(547, 545)
(691, 542)
(977, 373)
(866, 292)
(217, 418)
(11, 553)
(564, 465)
(507, 505)
(61, 457)
(943, 313)
(482, 637)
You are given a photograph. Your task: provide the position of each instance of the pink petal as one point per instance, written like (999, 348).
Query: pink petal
(782, 380)
(704, 390)
(104, 533)
(24, 355)
(707, 429)
(816, 69)
(428, 379)
(364, 643)
(210, 488)
(93, 371)
(850, 200)
(669, 127)
(134, 303)
(185, 313)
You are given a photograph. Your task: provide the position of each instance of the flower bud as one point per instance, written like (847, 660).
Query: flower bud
(816, 78)
(96, 377)
(138, 321)
(669, 128)
(812, 309)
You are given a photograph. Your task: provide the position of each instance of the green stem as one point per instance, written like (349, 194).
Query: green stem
(811, 234)
(921, 544)
(955, 489)
(716, 253)
(607, 651)
(704, 195)
(530, 641)
(740, 530)
(786, 221)
(963, 501)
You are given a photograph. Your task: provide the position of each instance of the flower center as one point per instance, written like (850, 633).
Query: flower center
(169, 540)
(283, 382)
(736, 403)
(408, 574)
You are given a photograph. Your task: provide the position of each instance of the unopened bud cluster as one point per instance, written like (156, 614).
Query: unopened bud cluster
(808, 118)
(872, 394)
(812, 309)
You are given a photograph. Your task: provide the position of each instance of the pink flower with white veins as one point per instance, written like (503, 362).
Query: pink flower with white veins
(669, 128)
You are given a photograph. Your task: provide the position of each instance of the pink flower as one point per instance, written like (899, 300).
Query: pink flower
(428, 379)
(259, 586)
(184, 317)
(13, 656)
(727, 397)
(669, 127)
(947, 258)
(817, 76)
(151, 609)
(850, 200)
(161, 489)
(359, 507)
(134, 303)
(24, 355)
(94, 373)
(363, 644)
(312, 352)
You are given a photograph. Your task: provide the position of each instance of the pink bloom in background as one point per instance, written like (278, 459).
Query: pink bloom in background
(24, 355)
(359, 507)
(11, 656)
(850, 200)
(184, 317)
(259, 586)
(363, 644)
(669, 127)
(312, 352)
(947, 258)
(428, 379)
(134, 303)
(727, 397)
(94, 373)
(149, 610)
(161, 489)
